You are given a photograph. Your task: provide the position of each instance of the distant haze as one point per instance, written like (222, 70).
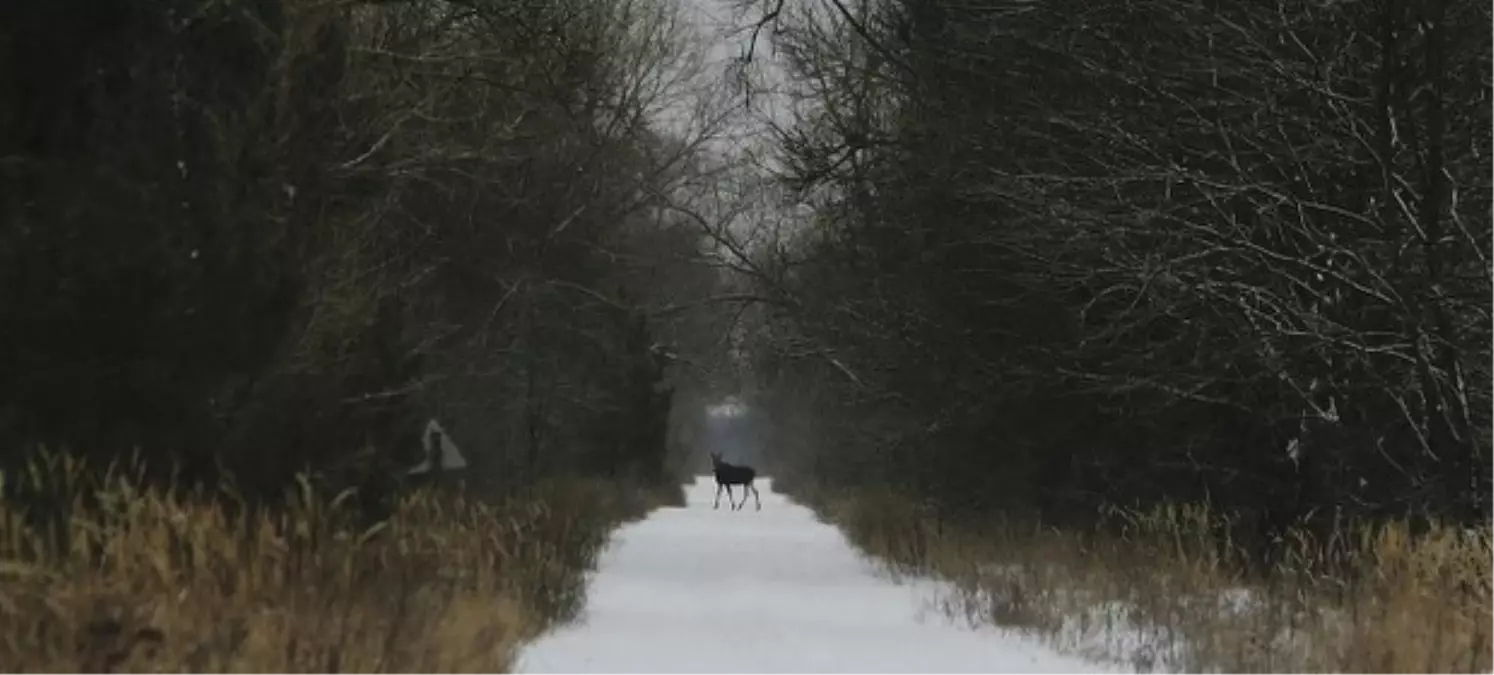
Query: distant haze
(731, 430)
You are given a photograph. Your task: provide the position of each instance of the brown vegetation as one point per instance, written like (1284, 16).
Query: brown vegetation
(1158, 590)
(146, 579)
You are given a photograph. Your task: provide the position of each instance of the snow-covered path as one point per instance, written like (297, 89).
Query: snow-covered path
(697, 590)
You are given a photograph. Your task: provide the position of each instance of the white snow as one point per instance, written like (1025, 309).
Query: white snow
(700, 590)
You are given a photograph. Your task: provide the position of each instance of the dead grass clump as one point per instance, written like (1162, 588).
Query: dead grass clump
(136, 578)
(1166, 589)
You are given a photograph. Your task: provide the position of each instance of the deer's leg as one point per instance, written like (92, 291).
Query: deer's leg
(718, 496)
(731, 499)
(755, 496)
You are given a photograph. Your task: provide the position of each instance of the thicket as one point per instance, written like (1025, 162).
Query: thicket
(248, 248)
(1064, 255)
(1160, 329)
(251, 238)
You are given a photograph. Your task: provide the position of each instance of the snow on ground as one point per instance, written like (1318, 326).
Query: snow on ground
(699, 590)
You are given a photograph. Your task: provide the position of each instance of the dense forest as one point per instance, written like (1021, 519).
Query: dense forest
(260, 237)
(1002, 260)
(249, 249)
(1076, 253)
(1037, 257)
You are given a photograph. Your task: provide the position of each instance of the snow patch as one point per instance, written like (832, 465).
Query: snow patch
(700, 590)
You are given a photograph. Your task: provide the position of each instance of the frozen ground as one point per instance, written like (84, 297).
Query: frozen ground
(697, 590)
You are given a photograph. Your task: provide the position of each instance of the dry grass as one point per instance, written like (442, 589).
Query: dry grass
(157, 580)
(1166, 594)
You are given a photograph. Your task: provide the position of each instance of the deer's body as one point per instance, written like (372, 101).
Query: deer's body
(728, 475)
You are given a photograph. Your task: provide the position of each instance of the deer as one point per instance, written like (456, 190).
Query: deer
(728, 475)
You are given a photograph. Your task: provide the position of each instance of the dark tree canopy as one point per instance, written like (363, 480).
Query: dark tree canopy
(263, 236)
(1075, 253)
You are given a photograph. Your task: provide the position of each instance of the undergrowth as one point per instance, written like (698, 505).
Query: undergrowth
(1159, 590)
(128, 577)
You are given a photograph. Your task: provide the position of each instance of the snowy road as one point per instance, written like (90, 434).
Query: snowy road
(697, 590)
